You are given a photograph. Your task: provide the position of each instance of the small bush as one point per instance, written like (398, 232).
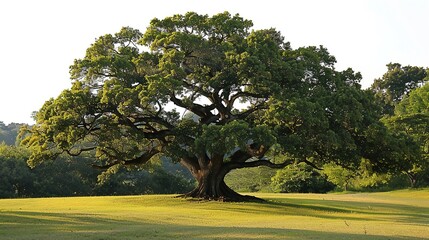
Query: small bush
(300, 178)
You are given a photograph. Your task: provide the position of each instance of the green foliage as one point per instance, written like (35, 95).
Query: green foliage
(226, 138)
(251, 179)
(328, 117)
(64, 177)
(60, 178)
(159, 177)
(15, 177)
(158, 181)
(73, 177)
(362, 179)
(339, 175)
(397, 83)
(9, 133)
(394, 150)
(300, 178)
(411, 118)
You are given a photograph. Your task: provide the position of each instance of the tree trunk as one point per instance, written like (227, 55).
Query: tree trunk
(412, 178)
(211, 185)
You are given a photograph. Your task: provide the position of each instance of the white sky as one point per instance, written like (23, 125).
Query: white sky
(40, 39)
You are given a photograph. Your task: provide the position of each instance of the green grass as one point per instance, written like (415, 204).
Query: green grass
(390, 215)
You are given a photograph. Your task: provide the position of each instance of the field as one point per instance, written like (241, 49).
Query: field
(390, 215)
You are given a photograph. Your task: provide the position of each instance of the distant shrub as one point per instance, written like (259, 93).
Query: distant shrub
(362, 179)
(300, 178)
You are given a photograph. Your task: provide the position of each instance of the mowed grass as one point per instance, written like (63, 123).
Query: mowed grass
(390, 215)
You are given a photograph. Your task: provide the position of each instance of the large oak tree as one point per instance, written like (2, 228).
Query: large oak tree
(212, 94)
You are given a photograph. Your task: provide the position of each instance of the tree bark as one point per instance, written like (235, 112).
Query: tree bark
(210, 174)
(211, 184)
(412, 178)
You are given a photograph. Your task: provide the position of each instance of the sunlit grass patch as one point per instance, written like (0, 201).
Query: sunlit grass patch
(390, 215)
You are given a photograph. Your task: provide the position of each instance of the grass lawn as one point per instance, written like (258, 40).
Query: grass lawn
(390, 215)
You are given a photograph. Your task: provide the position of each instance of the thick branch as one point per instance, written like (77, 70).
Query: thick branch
(243, 115)
(262, 162)
(256, 150)
(142, 159)
(153, 134)
(197, 89)
(90, 126)
(311, 164)
(148, 119)
(217, 101)
(240, 156)
(191, 164)
(201, 111)
(252, 151)
(241, 94)
(81, 150)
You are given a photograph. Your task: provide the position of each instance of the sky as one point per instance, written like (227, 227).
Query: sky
(40, 39)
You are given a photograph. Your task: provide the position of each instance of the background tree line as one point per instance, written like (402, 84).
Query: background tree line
(69, 176)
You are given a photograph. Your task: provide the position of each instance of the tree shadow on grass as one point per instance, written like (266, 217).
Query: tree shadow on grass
(273, 233)
(43, 218)
(377, 211)
(335, 209)
(22, 225)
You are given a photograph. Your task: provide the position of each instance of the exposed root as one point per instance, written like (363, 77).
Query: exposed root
(231, 198)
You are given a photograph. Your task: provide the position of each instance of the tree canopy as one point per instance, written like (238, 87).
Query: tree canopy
(397, 83)
(252, 101)
(411, 118)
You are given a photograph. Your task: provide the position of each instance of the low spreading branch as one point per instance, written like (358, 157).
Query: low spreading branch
(142, 159)
(74, 153)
